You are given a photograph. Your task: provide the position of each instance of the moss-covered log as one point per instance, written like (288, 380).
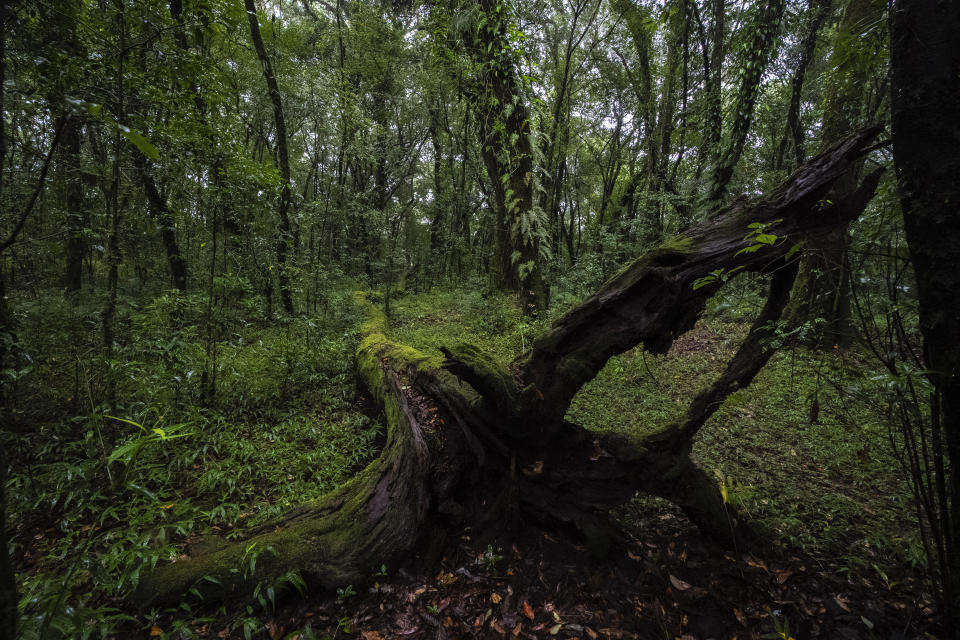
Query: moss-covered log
(341, 537)
(471, 443)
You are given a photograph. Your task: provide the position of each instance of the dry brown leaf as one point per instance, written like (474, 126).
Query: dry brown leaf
(156, 632)
(527, 610)
(678, 584)
(496, 598)
(371, 635)
(590, 632)
(842, 603)
(783, 576)
(757, 563)
(517, 629)
(742, 619)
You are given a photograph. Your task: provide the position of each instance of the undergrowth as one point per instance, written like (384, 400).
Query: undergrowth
(218, 428)
(204, 442)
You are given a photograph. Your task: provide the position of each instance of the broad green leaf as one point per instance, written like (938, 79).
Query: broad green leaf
(140, 142)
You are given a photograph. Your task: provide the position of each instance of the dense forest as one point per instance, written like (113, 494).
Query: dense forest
(439, 319)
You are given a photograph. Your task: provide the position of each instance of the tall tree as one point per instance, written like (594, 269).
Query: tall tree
(762, 47)
(856, 58)
(284, 237)
(925, 66)
(504, 127)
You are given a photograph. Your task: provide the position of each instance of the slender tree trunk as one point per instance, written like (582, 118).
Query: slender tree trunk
(283, 160)
(159, 210)
(762, 48)
(819, 11)
(77, 217)
(925, 65)
(109, 312)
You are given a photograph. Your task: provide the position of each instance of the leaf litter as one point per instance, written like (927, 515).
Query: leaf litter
(669, 583)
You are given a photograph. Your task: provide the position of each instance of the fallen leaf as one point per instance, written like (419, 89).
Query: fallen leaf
(739, 616)
(783, 576)
(842, 603)
(759, 564)
(517, 629)
(590, 632)
(371, 635)
(555, 629)
(527, 610)
(156, 632)
(678, 584)
(496, 598)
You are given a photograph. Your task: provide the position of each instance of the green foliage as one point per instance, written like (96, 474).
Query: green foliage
(100, 495)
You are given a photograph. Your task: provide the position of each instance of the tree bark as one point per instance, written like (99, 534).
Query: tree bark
(925, 66)
(77, 217)
(471, 443)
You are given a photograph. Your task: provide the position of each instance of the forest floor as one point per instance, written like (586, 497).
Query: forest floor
(97, 497)
(668, 583)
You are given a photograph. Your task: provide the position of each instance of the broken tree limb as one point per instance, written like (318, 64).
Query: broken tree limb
(660, 295)
(471, 443)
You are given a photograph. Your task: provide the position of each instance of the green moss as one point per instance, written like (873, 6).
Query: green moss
(485, 373)
(678, 244)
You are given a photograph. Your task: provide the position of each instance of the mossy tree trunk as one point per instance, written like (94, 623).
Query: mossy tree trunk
(473, 443)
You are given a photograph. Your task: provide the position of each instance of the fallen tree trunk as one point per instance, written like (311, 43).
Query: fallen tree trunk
(470, 443)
